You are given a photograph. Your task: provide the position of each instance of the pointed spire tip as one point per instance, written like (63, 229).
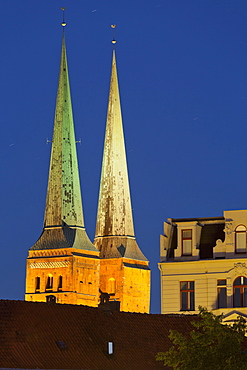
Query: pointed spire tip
(113, 26)
(63, 22)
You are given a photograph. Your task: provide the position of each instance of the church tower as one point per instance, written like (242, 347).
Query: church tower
(63, 265)
(124, 271)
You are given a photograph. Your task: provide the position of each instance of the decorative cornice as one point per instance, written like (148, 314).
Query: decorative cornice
(49, 265)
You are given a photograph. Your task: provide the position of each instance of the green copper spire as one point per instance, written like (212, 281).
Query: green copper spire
(114, 227)
(63, 223)
(63, 204)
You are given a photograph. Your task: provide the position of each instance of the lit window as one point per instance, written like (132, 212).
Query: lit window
(221, 287)
(240, 239)
(187, 242)
(37, 284)
(187, 293)
(49, 283)
(60, 282)
(111, 288)
(240, 292)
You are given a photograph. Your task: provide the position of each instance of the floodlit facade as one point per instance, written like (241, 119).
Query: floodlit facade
(203, 261)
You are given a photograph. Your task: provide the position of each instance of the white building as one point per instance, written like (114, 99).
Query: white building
(203, 261)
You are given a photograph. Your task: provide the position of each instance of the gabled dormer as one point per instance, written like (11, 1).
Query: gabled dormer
(190, 239)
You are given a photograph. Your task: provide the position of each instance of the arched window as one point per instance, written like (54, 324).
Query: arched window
(240, 292)
(37, 284)
(49, 283)
(60, 282)
(111, 288)
(240, 239)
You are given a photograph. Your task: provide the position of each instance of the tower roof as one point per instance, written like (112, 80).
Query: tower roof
(114, 227)
(64, 222)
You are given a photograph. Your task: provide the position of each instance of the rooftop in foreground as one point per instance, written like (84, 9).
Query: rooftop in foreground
(53, 336)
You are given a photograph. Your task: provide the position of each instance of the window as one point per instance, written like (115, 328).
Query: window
(37, 284)
(240, 239)
(49, 283)
(240, 292)
(187, 242)
(187, 293)
(60, 282)
(221, 287)
(111, 288)
(51, 299)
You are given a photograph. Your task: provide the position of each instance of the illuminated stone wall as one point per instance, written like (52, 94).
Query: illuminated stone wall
(75, 279)
(129, 284)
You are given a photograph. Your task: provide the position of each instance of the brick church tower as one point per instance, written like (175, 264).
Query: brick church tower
(63, 265)
(124, 270)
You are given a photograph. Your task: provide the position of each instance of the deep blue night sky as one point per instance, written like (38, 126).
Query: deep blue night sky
(183, 85)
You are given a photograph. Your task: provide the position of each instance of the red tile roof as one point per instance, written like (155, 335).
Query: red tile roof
(54, 336)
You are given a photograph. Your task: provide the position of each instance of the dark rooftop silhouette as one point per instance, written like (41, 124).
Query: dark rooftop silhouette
(54, 336)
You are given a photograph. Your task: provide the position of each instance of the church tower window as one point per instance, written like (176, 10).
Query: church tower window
(240, 239)
(49, 283)
(60, 283)
(37, 284)
(111, 289)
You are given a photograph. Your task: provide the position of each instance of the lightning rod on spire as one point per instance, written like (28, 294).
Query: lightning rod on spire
(113, 26)
(63, 22)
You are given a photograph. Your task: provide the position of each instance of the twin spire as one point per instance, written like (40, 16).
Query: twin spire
(114, 206)
(115, 237)
(64, 203)
(64, 222)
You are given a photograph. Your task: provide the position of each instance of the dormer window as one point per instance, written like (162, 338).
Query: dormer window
(187, 242)
(240, 239)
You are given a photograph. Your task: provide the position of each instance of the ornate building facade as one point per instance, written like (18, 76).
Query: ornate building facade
(64, 265)
(203, 261)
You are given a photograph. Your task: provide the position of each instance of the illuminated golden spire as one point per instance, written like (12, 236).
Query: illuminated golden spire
(114, 228)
